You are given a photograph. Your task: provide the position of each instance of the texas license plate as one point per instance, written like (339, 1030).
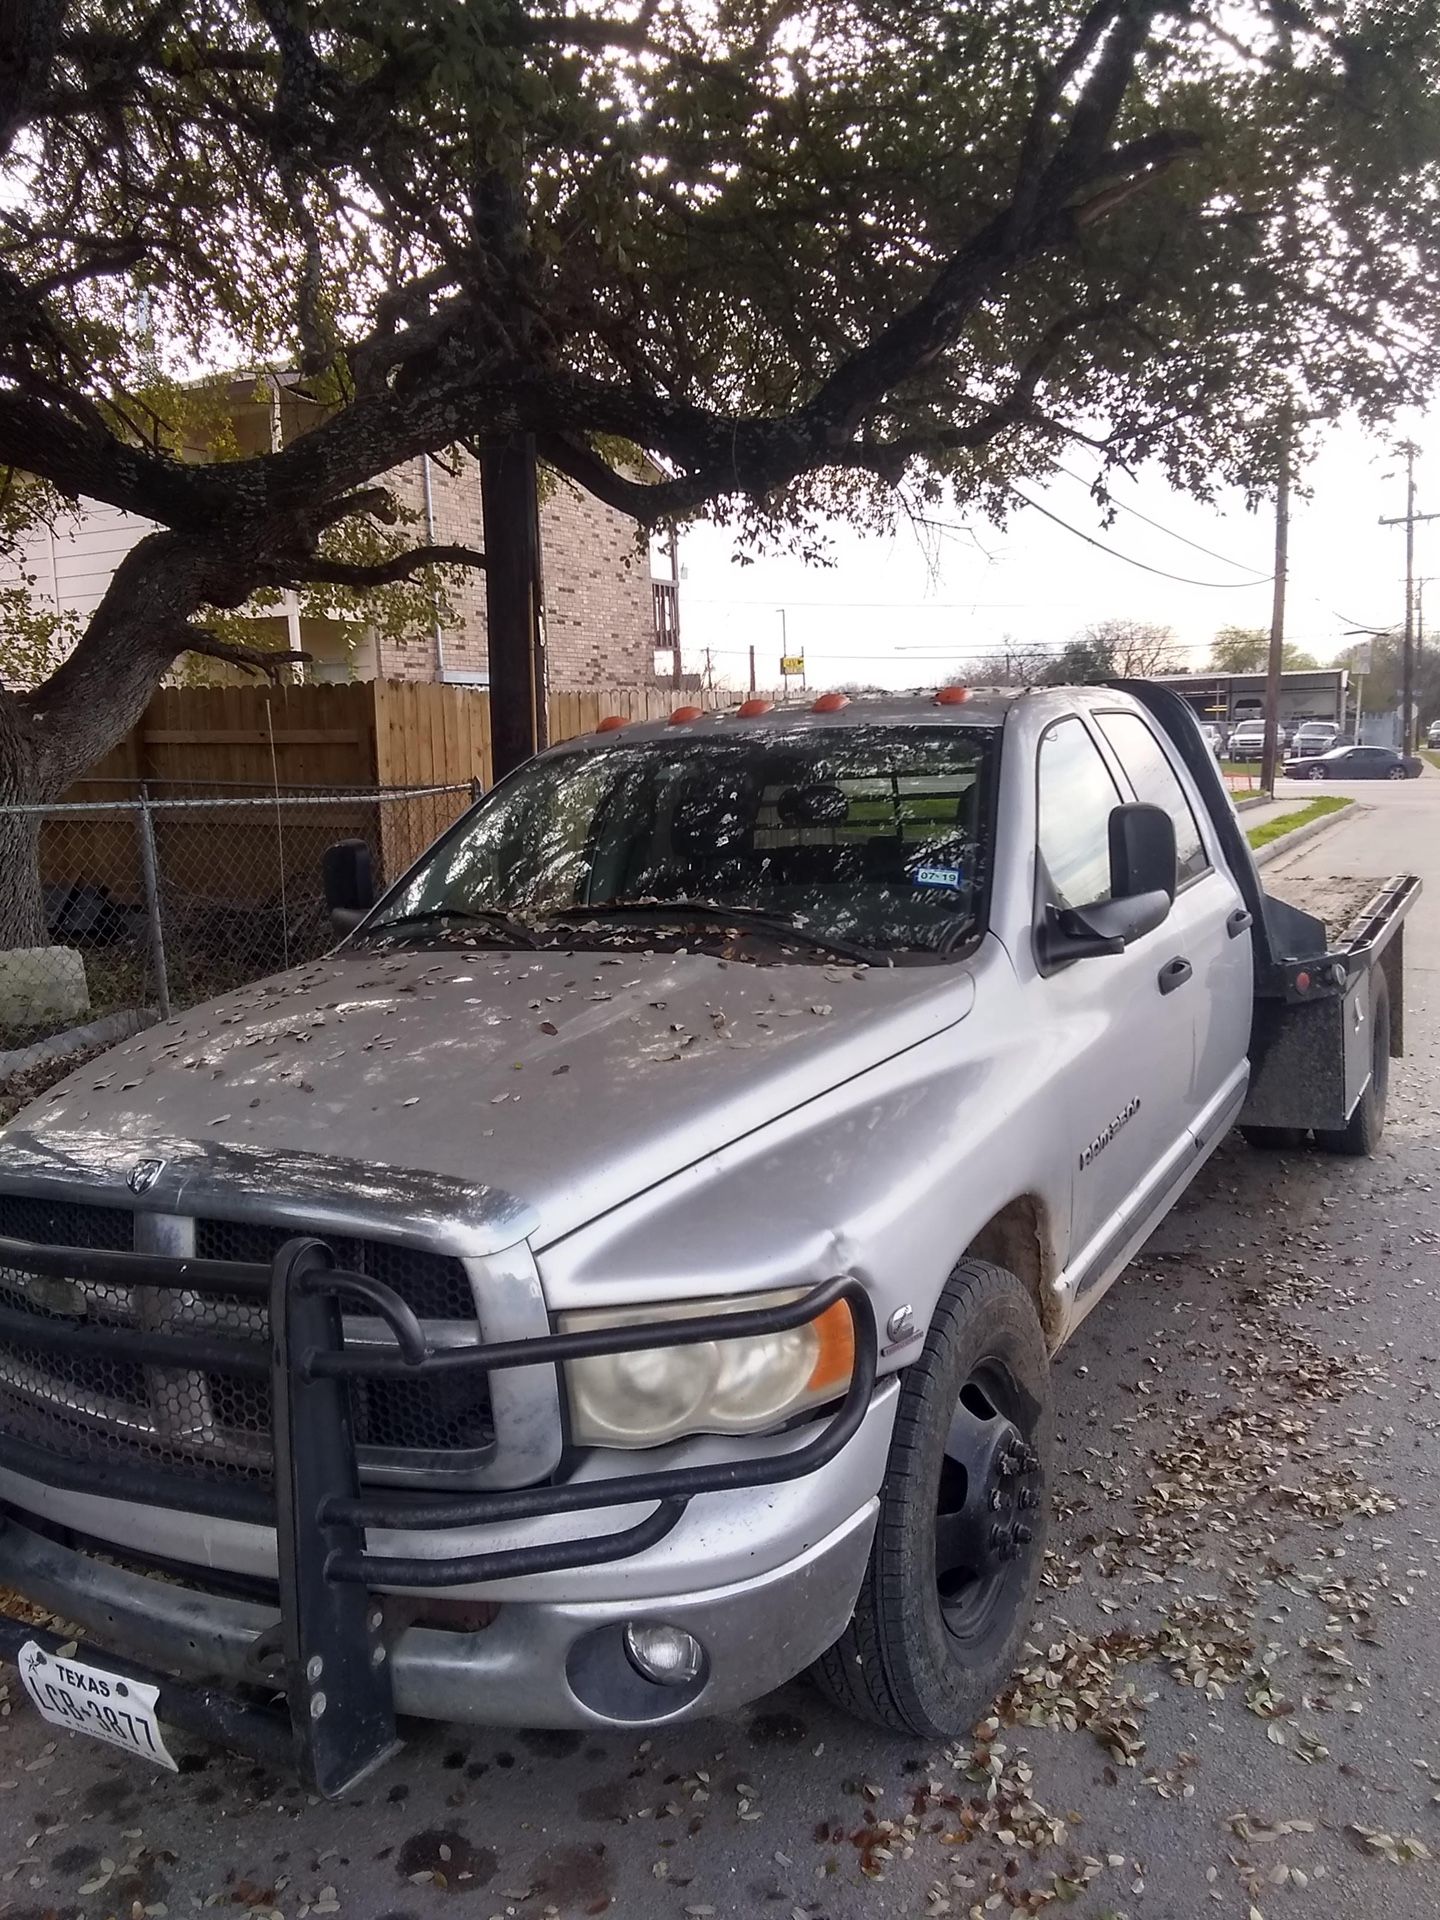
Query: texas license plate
(87, 1699)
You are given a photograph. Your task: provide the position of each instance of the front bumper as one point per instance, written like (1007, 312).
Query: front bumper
(335, 1644)
(535, 1665)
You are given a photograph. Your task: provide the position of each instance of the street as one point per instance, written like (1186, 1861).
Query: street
(1230, 1703)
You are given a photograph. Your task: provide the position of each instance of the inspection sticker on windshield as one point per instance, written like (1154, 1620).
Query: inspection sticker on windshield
(86, 1699)
(938, 877)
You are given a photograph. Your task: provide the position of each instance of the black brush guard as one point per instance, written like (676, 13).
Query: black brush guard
(336, 1673)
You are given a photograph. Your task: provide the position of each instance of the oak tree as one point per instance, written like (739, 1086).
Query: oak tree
(799, 256)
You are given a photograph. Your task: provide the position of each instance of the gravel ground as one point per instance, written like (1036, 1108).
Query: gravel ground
(1230, 1702)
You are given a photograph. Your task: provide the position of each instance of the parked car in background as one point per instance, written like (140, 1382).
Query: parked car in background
(1314, 737)
(1356, 763)
(1432, 734)
(1247, 742)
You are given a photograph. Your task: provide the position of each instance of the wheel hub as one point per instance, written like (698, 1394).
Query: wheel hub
(990, 1488)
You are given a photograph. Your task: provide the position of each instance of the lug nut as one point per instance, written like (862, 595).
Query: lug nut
(1023, 1536)
(996, 1499)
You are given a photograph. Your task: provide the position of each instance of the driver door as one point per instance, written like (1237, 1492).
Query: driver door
(1120, 1042)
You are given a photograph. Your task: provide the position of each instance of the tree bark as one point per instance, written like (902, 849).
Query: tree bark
(49, 738)
(22, 905)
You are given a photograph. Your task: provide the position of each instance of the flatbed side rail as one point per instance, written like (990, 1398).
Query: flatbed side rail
(337, 1683)
(1327, 972)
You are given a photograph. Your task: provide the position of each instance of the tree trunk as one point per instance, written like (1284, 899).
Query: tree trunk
(49, 737)
(22, 906)
(22, 909)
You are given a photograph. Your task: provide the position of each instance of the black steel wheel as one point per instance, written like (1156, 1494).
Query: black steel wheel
(960, 1540)
(990, 1489)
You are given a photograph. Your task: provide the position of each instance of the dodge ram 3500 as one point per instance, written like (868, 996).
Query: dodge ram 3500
(625, 1272)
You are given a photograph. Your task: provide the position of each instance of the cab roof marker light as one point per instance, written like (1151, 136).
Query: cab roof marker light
(830, 703)
(682, 716)
(612, 723)
(951, 696)
(752, 709)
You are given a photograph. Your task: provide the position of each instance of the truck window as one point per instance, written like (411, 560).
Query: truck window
(876, 835)
(1153, 779)
(1076, 798)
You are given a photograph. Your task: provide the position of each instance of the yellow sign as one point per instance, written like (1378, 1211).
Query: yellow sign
(792, 663)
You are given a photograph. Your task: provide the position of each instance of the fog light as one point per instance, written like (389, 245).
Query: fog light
(667, 1655)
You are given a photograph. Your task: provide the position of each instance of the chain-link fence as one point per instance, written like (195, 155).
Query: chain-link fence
(159, 899)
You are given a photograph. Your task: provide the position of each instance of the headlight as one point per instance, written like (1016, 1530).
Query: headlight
(642, 1399)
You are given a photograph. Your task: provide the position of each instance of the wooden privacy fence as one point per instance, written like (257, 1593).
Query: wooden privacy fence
(372, 733)
(389, 762)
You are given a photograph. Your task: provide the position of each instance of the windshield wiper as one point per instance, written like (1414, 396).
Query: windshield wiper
(516, 934)
(718, 913)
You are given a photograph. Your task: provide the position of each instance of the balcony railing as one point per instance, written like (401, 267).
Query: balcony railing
(667, 612)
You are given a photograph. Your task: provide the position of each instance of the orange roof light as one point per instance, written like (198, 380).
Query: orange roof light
(612, 723)
(830, 703)
(752, 709)
(682, 716)
(951, 696)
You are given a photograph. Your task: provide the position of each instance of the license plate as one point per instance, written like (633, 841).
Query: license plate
(87, 1699)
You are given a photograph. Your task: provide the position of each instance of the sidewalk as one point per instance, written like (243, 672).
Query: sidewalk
(1267, 810)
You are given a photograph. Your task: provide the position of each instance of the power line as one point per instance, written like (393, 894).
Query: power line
(1144, 565)
(1242, 566)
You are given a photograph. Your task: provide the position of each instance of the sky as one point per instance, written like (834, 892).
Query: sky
(904, 610)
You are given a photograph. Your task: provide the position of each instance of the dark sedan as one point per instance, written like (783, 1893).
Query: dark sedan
(1355, 763)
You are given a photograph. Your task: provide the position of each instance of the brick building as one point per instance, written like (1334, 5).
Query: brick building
(602, 602)
(599, 591)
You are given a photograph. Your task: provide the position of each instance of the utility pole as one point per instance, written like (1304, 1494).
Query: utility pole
(1270, 751)
(752, 666)
(1420, 586)
(1407, 659)
(674, 550)
(514, 601)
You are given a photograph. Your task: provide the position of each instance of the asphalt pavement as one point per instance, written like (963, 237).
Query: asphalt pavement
(1230, 1701)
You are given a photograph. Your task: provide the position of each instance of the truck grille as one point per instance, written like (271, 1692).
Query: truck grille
(214, 1426)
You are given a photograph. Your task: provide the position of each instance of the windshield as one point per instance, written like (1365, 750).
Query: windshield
(873, 836)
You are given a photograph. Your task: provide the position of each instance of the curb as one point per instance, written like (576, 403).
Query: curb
(106, 1032)
(1300, 835)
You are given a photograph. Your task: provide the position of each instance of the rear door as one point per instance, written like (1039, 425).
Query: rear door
(1208, 966)
(1121, 1049)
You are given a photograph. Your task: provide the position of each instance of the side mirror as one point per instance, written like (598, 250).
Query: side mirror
(1143, 878)
(1109, 926)
(348, 878)
(1142, 851)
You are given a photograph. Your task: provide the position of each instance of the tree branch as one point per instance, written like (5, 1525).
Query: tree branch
(384, 573)
(259, 660)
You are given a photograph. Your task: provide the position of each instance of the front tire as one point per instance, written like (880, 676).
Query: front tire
(960, 1540)
(1360, 1136)
(1315, 773)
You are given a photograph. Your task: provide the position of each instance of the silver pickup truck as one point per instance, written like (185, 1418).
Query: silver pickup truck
(625, 1272)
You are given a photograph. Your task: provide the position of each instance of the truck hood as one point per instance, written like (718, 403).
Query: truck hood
(565, 1081)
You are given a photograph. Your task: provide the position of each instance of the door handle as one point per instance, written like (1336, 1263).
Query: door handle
(1240, 921)
(1175, 973)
